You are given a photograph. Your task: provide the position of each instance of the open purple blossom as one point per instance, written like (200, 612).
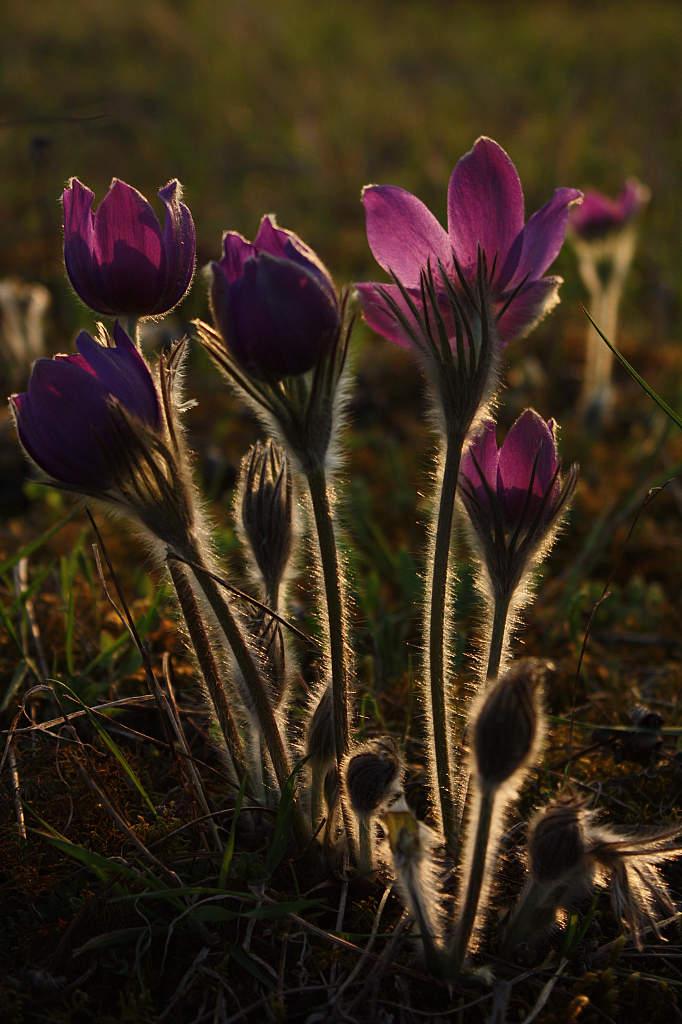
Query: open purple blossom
(514, 495)
(486, 211)
(273, 302)
(64, 419)
(119, 261)
(599, 215)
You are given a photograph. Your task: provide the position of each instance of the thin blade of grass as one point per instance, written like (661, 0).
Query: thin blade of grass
(229, 847)
(34, 545)
(283, 821)
(635, 376)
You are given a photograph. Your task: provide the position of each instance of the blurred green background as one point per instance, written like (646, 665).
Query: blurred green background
(291, 107)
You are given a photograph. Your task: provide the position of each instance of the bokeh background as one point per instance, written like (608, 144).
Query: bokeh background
(290, 107)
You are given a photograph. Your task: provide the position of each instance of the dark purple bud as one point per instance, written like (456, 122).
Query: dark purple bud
(64, 419)
(266, 510)
(600, 215)
(372, 775)
(273, 303)
(557, 840)
(118, 259)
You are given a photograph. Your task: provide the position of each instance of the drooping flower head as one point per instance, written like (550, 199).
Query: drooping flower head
(514, 495)
(95, 423)
(485, 214)
(119, 261)
(599, 215)
(569, 852)
(273, 302)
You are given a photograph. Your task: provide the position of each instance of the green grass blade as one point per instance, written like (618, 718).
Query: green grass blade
(106, 739)
(34, 545)
(229, 847)
(283, 821)
(635, 376)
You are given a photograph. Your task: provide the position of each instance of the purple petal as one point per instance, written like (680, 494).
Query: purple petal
(378, 314)
(236, 251)
(403, 234)
(180, 245)
(530, 437)
(531, 303)
(484, 448)
(56, 420)
(123, 373)
(485, 204)
(540, 242)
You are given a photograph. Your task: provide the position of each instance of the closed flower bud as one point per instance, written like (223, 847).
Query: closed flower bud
(266, 511)
(556, 841)
(320, 739)
(372, 775)
(118, 259)
(273, 302)
(508, 726)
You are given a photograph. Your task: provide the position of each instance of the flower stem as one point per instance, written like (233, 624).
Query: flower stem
(335, 611)
(440, 711)
(474, 881)
(254, 683)
(498, 635)
(209, 670)
(131, 323)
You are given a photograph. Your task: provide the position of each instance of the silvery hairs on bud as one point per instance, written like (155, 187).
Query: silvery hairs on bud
(265, 506)
(508, 724)
(507, 732)
(372, 775)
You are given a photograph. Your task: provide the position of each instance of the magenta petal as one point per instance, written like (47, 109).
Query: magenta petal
(485, 204)
(180, 246)
(272, 239)
(484, 448)
(236, 251)
(122, 372)
(378, 315)
(540, 242)
(530, 304)
(530, 437)
(403, 234)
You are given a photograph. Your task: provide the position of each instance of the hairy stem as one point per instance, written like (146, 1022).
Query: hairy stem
(335, 611)
(440, 724)
(498, 635)
(261, 703)
(474, 880)
(209, 670)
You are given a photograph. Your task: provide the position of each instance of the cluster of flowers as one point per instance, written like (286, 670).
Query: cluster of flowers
(105, 424)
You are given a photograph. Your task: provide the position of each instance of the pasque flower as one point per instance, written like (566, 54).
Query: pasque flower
(97, 424)
(514, 496)
(64, 419)
(273, 302)
(599, 215)
(486, 211)
(119, 261)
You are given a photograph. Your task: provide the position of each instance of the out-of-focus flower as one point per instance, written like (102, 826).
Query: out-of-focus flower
(119, 261)
(22, 309)
(514, 496)
(486, 213)
(599, 215)
(273, 302)
(64, 419)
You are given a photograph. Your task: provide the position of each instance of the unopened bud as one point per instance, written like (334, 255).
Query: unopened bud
(372, 775)
(320, 743)
(509, 722)
(266, 510)
(556, 841)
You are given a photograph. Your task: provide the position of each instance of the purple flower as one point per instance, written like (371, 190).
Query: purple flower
(119, 260)
(599, 215)
(485, 209)
(514, 496)
(64, 420)
(273, 302)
